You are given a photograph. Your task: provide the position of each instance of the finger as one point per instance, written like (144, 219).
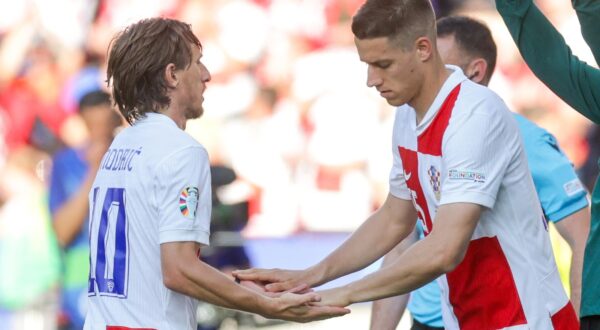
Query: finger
(314, 313)
(300, 289)
(257, 275)
(308, 298)
(325, 312)
(277, 286)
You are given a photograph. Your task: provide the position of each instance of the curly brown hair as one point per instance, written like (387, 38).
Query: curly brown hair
(137, 59)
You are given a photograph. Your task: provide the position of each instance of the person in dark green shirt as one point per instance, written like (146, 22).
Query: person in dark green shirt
(578, 84)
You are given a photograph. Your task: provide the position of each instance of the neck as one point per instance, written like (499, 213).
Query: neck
(435, 76)
(177, 116)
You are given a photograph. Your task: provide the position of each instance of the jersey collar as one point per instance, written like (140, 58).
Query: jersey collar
(455, 78)
(153, 117)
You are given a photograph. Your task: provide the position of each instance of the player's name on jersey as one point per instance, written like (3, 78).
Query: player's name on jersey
(119, 159)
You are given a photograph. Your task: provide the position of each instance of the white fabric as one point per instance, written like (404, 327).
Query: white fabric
(482, 162)
(165, 174)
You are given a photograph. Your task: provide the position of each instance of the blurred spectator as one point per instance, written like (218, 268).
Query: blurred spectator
(29, 259)
(72, 176)
(283, 71)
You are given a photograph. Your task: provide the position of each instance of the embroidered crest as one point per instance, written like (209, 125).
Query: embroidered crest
(188, 202)
(434, 180)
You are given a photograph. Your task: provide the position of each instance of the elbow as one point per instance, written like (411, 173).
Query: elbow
(172, 278)
(448, 260)
(61, 237)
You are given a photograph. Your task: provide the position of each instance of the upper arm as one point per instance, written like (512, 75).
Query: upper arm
(174, 256)
(560, 191)
(184, 198)
(575, 227)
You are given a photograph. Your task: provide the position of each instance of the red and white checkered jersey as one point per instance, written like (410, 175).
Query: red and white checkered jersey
(153, 187)
(468, 149)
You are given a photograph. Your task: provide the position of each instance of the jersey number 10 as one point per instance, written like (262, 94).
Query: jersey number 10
(108, 245)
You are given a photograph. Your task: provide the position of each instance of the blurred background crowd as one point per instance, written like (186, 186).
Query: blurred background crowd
(299, 144)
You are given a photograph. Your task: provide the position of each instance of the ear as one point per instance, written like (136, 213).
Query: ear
(424, 48)
(170, 75)
(477, 70)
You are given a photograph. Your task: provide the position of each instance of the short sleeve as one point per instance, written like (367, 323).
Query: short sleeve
(559, 189)
(476, 154)
(184, 196)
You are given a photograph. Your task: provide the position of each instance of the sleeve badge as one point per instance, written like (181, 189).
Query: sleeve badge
(188, 202)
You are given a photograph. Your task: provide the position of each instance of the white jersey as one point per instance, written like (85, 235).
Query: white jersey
(153, 187)
(468, 149)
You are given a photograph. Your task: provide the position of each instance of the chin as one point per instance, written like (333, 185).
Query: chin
(395, 102)
(194, 113)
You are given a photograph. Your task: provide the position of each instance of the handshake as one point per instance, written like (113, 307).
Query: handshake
(291, 292)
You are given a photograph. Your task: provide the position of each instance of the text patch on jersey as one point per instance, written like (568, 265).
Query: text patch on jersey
(188, 202)
(466, 175)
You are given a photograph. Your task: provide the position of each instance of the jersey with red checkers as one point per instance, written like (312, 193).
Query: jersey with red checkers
(467, 149)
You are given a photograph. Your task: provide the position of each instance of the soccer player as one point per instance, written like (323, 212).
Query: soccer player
(150, 202)
(576, 83)
(468, 43)
(460, 168)
(73, 172)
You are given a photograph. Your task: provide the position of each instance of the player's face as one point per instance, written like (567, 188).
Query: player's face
(193, 83)
(393, 71)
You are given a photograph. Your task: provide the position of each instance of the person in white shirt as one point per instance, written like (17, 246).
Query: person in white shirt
(150, 201)
(460, 169)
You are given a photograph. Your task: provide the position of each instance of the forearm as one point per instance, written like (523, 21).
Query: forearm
(70, 217)
(576, 275)
(380, 233)
(203, 282)
(419, 265)
(588, 13)
(574, 229)
(386, 313)
(550, 58)
(208, 284)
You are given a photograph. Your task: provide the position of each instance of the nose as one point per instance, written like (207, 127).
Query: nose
(206, 75)
(373, 80)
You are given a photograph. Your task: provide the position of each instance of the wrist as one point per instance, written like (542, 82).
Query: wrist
(267, 307)
(316, 275)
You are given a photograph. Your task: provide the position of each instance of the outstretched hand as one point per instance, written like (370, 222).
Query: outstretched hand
(301, 308)
(260, 288)
(275, 280)
(333, 297)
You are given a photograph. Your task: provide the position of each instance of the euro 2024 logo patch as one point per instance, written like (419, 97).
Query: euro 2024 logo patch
(188, 202)
(434, 180)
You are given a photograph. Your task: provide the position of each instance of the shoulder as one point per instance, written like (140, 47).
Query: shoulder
(528, 128)
(479, 98)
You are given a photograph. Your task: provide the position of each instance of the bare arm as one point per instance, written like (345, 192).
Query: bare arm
(385, 228)
(438, 253)
(386, 313)
(575, 229)
(185, 273)
(69, 217)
